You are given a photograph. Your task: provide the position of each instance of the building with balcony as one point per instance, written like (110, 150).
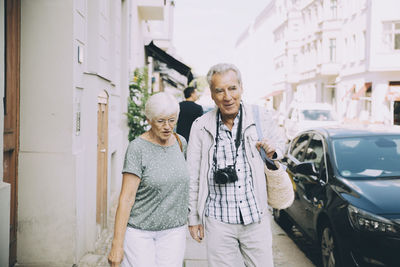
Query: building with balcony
(336, 51)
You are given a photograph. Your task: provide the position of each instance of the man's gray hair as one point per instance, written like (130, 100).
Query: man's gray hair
(223, 68)
(161, 104)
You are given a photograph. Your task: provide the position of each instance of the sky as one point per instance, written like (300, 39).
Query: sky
(205, 31)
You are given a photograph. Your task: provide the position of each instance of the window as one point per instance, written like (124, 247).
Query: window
(332, 50)
(354, 47)
(333, 9)
(391, 35)
(295, 60)
(377, 156)
(315, 151)
(298, 147)
(363, 45)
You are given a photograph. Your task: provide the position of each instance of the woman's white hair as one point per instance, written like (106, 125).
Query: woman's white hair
(161, 104)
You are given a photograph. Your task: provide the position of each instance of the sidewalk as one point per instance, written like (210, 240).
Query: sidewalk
(286, 253)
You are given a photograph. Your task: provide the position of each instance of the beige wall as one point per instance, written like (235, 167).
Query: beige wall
(58, 164)
(46, 195)
(137, 35)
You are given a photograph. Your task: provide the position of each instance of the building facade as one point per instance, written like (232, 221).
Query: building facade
(341, 52)
(67, 68)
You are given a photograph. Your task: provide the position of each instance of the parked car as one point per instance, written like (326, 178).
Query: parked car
(302, 116)
(347, 194)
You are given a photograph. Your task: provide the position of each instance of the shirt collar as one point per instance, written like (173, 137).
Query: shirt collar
(223, 127)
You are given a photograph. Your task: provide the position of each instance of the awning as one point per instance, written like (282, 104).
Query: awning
(154, 51)
(362, 91)
(273, 93)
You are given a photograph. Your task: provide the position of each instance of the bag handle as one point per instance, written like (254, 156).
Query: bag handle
(179, 141)
(270, 164)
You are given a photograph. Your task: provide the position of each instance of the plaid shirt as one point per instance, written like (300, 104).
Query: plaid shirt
(233, 203)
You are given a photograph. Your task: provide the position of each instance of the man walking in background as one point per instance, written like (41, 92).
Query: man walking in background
(189, 111)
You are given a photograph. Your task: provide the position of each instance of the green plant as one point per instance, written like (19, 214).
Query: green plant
(138, 95)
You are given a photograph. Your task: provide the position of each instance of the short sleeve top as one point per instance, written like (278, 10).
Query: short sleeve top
(162, 197)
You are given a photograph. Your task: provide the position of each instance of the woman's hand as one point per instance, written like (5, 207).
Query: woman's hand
(197, 232)
(268, 147)
(115, 256)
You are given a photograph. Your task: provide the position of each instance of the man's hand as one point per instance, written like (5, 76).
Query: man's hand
(197, 232)
(115, 257)
(268, 147)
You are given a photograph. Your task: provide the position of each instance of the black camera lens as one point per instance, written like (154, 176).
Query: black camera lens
(226, 175)
(221, 177)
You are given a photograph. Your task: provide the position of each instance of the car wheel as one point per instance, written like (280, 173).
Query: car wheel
(282, 219)
(329, 249)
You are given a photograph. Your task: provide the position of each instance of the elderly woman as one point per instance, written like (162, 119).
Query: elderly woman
(150, 223)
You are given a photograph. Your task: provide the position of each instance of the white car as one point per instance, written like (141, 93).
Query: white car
(302, 116)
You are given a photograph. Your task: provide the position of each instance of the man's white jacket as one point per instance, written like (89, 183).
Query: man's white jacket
(200, 157)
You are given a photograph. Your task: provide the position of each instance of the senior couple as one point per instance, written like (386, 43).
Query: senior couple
(219, 191)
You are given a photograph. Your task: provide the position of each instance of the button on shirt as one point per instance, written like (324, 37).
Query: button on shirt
(233, 203)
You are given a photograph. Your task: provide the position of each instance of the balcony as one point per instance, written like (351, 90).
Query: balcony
(328, 69)
(151, 9)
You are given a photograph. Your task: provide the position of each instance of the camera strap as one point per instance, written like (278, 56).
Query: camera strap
(237, 141)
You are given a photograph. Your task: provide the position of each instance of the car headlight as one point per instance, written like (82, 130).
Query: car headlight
(366, 221)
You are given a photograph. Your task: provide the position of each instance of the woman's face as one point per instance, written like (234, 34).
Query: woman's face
(163, 126)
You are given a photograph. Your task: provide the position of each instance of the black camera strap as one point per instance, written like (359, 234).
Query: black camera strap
(237, 141)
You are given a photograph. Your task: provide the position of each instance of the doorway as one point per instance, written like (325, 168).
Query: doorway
(102, 159)
(12, 10)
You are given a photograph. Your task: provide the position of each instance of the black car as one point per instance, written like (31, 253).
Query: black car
(347, 194)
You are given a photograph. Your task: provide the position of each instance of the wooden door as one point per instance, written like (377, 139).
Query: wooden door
(102, 152)
(11, 113)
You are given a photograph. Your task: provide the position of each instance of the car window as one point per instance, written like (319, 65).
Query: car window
(315, 151)
(368, 156)
(298, 146)
(316, 115)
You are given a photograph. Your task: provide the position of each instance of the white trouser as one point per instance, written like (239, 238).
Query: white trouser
(232, 245)
(164, 248)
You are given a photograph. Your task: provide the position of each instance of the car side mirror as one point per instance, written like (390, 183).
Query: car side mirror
(306, 168)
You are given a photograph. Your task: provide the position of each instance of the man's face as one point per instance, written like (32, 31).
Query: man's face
(226, 92)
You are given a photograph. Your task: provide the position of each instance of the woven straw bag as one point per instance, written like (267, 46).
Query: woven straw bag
(279, 188)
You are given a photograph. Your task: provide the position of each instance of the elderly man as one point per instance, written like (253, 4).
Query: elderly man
(227, 182)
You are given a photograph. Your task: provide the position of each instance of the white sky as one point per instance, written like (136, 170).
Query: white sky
(205, 31)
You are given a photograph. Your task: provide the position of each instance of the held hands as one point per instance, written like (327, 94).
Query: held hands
(116, 255)
(197, 232)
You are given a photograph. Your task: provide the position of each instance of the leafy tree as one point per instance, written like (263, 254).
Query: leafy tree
(138, 95)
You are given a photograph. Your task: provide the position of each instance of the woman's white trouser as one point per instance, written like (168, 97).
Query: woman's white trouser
(164, 248)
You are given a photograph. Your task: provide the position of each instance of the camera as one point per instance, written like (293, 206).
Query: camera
(225, 175)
